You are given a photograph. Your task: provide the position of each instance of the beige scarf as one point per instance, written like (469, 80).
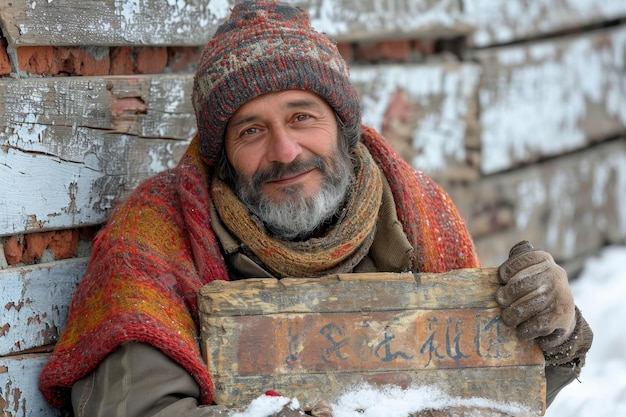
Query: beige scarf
(339, 250)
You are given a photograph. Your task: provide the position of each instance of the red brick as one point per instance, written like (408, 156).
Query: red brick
(48, 60)
(127, 60)
(79, 61)
(132, 105)
(400, 109)
(151, 60)
(399, 51)
(64, 244)
(180, 59)
(13, 248)
(5, 62)
(346, 51)
(425, 47)
(121, 61)
(34, 245)
(36, 59)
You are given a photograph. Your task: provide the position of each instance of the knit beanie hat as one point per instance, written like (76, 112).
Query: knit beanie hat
(266, 46)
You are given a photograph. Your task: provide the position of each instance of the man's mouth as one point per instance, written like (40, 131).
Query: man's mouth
(290, 178)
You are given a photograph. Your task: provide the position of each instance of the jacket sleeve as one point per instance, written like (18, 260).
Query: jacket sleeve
(564, 362)
(137, 380)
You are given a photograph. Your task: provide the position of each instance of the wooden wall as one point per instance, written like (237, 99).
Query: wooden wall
(518, 108)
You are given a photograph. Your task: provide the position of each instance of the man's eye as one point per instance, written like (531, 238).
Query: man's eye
(302, 117)
(249, 131)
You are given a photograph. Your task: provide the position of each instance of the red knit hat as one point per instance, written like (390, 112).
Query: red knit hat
(266, 46)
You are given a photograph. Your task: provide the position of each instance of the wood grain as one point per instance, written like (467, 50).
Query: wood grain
(315, 338)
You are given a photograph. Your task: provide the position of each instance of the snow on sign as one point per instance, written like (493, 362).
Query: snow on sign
(316, 339)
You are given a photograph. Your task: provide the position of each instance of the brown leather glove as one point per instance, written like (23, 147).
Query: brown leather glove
(536, 298)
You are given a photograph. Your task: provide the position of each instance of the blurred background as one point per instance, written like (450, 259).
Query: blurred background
(517, 108)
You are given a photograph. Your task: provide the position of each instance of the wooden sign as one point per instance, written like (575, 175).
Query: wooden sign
(314, 339)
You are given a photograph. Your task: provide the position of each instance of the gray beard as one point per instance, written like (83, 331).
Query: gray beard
(297, 216)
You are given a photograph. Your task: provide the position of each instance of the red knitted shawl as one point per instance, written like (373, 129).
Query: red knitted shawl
(158, 249)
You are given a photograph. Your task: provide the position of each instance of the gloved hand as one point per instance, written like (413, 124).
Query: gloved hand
(536, 298)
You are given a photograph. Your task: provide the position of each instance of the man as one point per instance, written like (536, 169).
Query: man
(281, 180)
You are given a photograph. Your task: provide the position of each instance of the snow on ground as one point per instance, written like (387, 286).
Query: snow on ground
(599, 291)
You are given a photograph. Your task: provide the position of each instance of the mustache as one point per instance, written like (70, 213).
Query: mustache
(280, 170)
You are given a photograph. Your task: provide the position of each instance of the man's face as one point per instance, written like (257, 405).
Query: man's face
(289, 168)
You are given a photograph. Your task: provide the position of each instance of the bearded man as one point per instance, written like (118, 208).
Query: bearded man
(281, 180)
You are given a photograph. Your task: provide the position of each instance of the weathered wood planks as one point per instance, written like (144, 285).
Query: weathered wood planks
(104, 22)
(572, 205)
(499, 22)
(19, 387)
(34, 301)
(313, 339)
(351, 20)
(548, 98)
(427, 112)
(83, 143)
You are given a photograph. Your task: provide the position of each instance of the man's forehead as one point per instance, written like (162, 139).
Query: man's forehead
(286, 99)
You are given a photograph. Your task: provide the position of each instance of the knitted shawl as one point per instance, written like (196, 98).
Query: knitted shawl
(150, 260)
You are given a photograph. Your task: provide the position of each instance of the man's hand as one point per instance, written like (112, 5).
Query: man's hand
(536, 299)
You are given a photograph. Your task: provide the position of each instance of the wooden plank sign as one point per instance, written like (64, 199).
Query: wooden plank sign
(314, 339)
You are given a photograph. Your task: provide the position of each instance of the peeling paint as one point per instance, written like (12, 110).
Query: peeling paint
(575, 204)
(178, 17)
(531, 194)
(82, 175)
(505, 21)
(340, 18)
(536, 103)
(36, 301)
(19, 391)
(158, 160)
(11, 305)
(443, 95)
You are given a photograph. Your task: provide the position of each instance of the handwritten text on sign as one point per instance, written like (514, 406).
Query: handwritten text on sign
(377, 341)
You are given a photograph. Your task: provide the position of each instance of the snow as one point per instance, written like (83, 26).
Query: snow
(267, 405)
(599, 292)
(397, 402)
(367, 401)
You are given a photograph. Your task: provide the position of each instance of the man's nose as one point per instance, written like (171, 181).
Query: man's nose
(284, 147)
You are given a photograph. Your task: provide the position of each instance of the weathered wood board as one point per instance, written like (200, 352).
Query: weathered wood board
(35, 301)
(359, 20)
(150, 106)
(190, 23)
(547, 98)
(427, 112)
(71, 147)
(569, 206)
(19, 387)
(105, 22)
(313, 339)
(499, 22)
(85, 142)
(73, 23)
